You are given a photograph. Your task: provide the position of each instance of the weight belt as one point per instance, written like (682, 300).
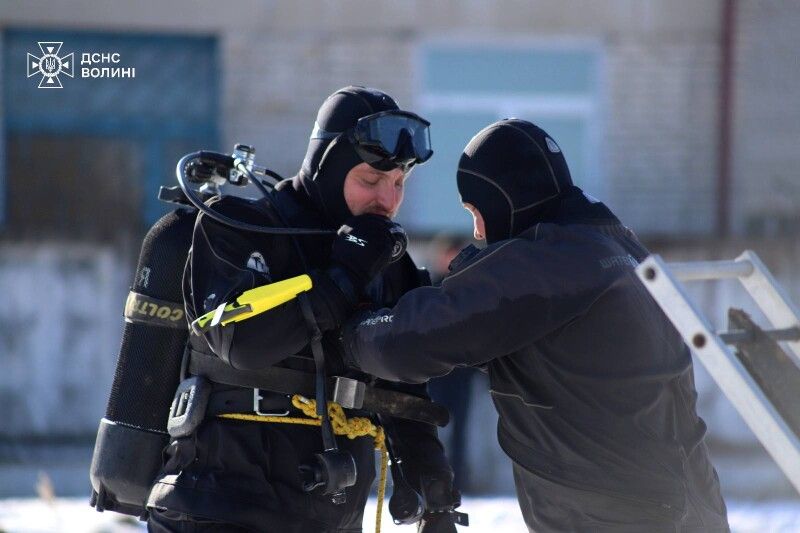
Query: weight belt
(288, 381)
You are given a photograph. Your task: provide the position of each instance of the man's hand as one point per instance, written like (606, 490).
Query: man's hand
(365, 245)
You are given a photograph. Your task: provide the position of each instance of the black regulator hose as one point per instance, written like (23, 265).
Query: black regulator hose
(217, 163)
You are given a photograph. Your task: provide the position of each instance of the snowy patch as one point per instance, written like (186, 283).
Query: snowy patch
(487, 515)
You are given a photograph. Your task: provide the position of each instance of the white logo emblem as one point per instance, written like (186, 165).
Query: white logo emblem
(552, 145)
(50, 65)
(383, 319)
(144, 277)
(355, 240)
(256, 262)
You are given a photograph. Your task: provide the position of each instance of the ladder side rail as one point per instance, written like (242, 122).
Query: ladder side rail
(724, 367)
(772, 299)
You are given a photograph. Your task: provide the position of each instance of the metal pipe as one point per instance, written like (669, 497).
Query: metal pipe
(702, 270)
(725, 110)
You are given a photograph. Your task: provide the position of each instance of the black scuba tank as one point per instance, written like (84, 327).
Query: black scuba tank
(133, 433)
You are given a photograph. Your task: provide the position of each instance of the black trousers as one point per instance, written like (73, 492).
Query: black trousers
(244, 476)
(172, 522)
(548, 506)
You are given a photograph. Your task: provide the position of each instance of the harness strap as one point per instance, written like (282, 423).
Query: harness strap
(320, 383)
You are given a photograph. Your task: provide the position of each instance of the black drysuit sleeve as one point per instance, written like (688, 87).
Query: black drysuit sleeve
(417, 444)
(511, 294)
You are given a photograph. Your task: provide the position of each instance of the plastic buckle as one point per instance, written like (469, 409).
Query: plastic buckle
(188, 407)
(257, 405)
(348, 392)
(462, 519)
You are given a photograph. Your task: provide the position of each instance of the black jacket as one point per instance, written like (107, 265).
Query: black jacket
(247, 473)
(593, 385)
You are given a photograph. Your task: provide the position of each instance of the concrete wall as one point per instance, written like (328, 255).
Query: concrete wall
(2, 146)
(60, 330)
(661, 136)
(766, 160)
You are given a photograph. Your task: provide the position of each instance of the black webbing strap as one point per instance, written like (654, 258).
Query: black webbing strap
(320, 392)
(288, 381)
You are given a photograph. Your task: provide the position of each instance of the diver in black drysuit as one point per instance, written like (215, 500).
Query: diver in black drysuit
(244, 476)
(593, 385)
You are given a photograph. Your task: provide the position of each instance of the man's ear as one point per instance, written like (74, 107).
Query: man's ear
(477, 220)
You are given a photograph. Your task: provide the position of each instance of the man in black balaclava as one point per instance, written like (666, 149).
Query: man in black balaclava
(243, 468)
(515, 176)
(593, 386)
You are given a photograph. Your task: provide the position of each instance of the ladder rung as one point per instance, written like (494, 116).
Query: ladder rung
(742, 335)
(701, 270)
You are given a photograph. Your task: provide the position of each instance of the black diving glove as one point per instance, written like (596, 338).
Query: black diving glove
(364, 246)
(437, 523)
(441, 500)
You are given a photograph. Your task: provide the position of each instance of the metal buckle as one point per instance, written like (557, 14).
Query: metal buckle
(348, 392)
(257, 405)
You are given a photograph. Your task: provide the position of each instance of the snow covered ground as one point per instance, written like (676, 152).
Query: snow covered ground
(487, 515)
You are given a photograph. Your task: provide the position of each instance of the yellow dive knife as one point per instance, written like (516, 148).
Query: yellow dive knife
(253, 302)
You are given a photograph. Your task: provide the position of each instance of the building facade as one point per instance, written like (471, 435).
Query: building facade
(652, 118)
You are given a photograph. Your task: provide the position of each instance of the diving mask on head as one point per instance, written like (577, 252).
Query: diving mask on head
(387, 140)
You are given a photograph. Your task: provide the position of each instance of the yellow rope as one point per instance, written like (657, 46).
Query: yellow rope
(351, 427)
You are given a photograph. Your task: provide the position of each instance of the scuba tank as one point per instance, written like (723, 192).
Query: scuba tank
(131, 436)
(133, 432)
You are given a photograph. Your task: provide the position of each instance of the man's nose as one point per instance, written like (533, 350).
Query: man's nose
(388, 197)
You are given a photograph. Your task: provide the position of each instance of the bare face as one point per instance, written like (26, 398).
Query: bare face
(478, 227)
(371, 191)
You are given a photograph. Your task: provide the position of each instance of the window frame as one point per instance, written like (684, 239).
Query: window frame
(590, 107)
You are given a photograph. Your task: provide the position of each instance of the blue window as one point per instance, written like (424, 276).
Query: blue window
(94, 130)
(465, 87)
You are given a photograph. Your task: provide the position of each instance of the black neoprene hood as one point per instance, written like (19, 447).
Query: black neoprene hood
(328, 160)
(512, 171)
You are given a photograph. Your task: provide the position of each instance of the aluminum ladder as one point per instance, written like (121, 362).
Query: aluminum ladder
(771, 412)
